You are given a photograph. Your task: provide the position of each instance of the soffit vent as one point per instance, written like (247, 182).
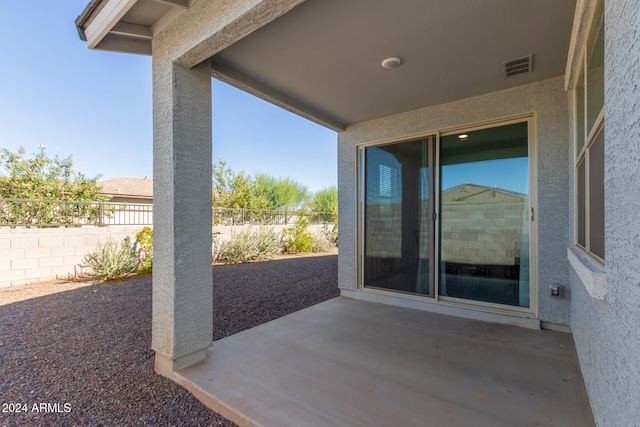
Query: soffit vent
(518, 66)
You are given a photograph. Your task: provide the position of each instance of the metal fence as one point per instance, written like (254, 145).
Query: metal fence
(54, 213)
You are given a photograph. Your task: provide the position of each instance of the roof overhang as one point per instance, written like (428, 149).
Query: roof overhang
(322, 59)
(127, 25)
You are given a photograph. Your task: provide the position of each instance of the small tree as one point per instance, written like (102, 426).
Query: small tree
(326, 200)
(40, 177)
(280, 193)
(233, 189)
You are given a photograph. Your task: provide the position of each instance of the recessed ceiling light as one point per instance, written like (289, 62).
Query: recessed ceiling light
(392, 62)
(463, 136)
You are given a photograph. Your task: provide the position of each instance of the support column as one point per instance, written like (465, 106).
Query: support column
(182, 327)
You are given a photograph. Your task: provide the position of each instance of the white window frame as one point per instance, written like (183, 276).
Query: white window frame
(589, 267)
(590, 134)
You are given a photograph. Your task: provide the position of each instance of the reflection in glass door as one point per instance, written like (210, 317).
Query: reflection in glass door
(484, 216)
(398, 224)
(481, 218)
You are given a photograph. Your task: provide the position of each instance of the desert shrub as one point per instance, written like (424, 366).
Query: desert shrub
(330, 233)
(297, 238)
(216, 245)
(144, 241)
(250, 245)
(322, 243)
(112, 260)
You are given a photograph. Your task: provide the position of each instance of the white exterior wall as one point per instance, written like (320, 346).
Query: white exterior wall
(548, 100)
(29, 255)
(606, 332)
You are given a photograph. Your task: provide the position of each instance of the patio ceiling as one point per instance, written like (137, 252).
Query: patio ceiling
(323, 58)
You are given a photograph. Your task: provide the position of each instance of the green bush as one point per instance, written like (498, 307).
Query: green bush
(248, 245)
(297, 238)
(144, 241)
(112, 260)
(38, 177)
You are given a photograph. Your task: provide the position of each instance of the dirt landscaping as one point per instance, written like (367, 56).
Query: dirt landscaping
(79, 353)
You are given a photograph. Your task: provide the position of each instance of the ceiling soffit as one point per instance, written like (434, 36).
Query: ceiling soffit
(326, 54)
(322, 59)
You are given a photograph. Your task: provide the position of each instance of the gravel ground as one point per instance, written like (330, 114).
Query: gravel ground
(85, 350)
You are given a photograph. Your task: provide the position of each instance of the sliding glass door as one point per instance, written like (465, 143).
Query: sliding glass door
(449, 217)
(484, 215)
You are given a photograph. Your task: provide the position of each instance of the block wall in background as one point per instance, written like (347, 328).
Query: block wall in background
(29, 255)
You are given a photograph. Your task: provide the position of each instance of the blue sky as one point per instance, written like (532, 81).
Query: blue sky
(96, 106)
(506, 174)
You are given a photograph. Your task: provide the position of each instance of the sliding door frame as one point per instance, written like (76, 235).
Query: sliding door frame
(531, 311)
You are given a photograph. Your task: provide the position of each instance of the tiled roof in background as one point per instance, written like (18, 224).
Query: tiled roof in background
(127, 186)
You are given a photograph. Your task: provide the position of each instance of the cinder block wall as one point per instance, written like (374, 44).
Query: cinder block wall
(483, 233)
(224, 232)
(29, 255)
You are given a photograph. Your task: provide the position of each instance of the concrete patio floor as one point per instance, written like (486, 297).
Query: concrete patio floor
(353, 363)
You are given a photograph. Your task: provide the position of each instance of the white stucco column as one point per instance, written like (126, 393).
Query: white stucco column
(182, 277)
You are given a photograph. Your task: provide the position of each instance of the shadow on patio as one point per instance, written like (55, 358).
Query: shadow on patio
(352, 363)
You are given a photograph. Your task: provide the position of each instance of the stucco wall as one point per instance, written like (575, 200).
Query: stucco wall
(548, 100)
(182, 292)
(29, 255)
(606, 333)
